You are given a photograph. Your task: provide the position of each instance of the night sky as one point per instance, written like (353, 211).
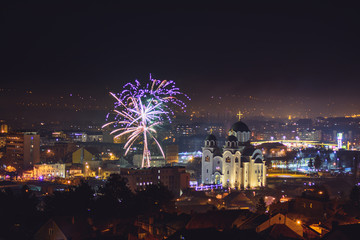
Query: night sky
(268, 49)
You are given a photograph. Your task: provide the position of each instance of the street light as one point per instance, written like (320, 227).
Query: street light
(86, 169)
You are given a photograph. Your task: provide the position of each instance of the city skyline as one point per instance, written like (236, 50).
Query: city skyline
(68, 106)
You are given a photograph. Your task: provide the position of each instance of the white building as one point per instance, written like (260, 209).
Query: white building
(49, 170)
(237, 165)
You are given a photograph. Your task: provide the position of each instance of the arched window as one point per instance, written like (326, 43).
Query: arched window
(207, 159)
(236, 160)
(228, 160)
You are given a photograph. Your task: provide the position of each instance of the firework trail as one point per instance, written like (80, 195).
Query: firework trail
(143, 109)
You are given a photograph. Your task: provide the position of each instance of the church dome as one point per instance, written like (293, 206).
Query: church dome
(240, 127)
(211, 137)
(232, 138)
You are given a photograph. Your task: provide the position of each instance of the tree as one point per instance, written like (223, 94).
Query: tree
(153, 198)
(355, 195)
(19, 215)
(116, 187)
(317, 162)
(261, 206)
(116, 199)
(73, 202)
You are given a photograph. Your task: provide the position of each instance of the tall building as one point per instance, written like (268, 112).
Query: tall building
(237, 165)
(23, 149)
(172, 153)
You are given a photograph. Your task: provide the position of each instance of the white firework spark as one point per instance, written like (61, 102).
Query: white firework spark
(137, 119)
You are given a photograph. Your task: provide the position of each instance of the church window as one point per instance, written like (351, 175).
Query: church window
(228, 160)
(227, 172)
(310, 205)
(236, 160)
(207, 159)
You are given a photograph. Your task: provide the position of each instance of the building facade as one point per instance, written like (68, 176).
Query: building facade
(237, 165)
(176, 179)
(49, 171)
(23, 149)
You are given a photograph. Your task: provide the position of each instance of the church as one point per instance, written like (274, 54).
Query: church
(237, 165)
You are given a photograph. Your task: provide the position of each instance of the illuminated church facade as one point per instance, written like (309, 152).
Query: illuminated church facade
(237, 164)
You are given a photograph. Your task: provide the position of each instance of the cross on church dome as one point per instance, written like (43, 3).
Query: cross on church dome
(240, 115)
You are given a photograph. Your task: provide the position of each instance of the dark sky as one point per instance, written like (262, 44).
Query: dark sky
(293, 48)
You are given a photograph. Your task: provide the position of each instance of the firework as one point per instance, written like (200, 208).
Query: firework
(156, 91)
(142, 110)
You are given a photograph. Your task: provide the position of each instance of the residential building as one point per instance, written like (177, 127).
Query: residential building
(176, 179)
(23, 149)
(44, 171)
